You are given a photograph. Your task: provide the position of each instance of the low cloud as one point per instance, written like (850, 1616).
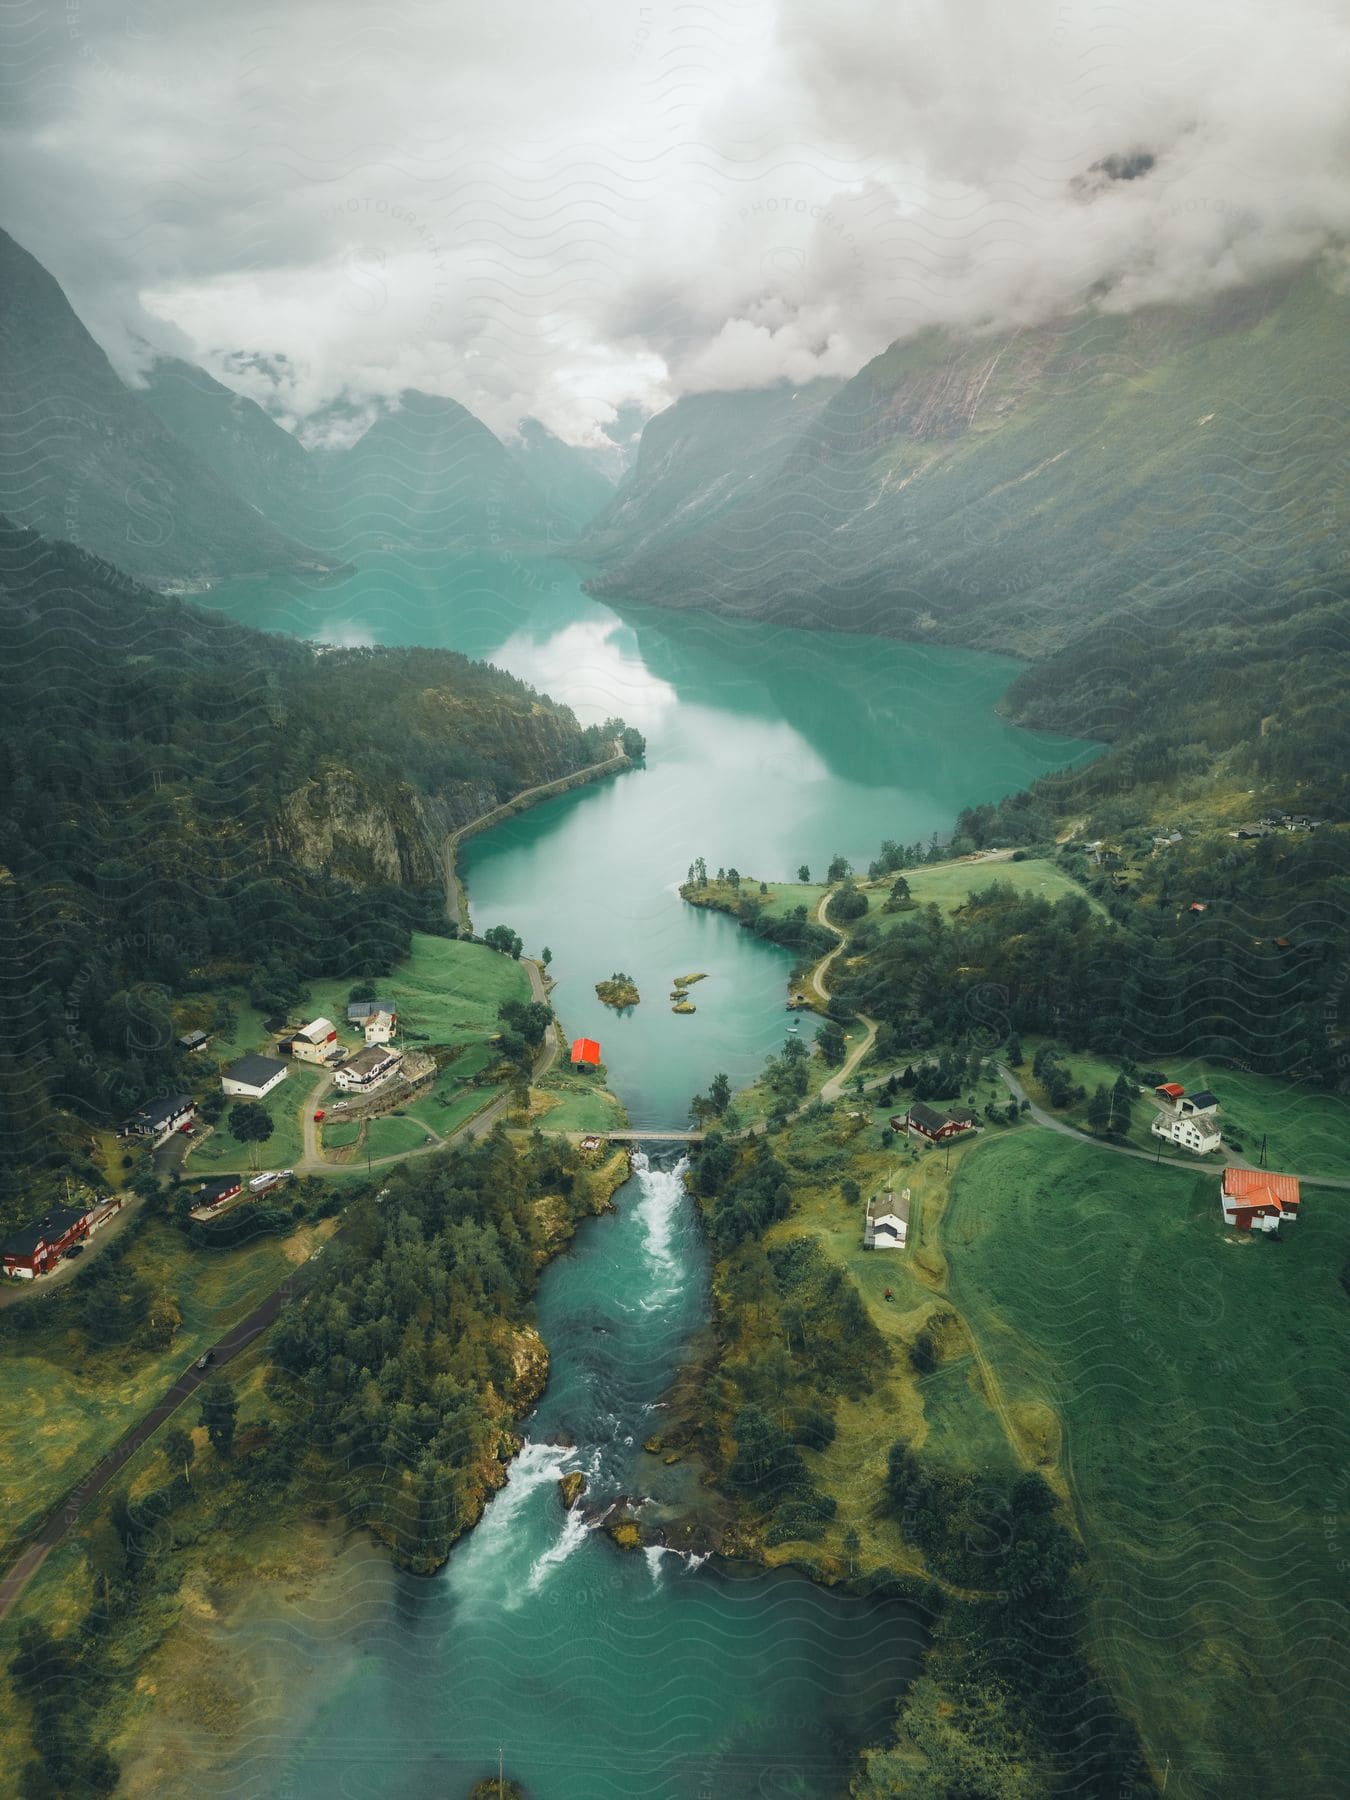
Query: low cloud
(571, 209)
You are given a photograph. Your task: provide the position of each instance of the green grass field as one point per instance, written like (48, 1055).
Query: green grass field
(1200, 1384)
(580, 1106)
(392, 1136)
(286, 1104)
(67, 1404)
(949, 885)
(447, 991)
(1307, 1130)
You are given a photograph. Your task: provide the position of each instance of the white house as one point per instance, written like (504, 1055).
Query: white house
(253, 1076)
(317, 1042)
(1188, 1119)
(376, 1019)
(379, 1026)
(368, 1068)
(887, 1224)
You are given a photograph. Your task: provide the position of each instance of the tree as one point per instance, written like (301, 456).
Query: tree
(720, 1093)
(1015, 1057)
(1099, 1109)
(804, 873)
(1122, 1105)
(178, 1449)
(858, 1081)
(501, 938)
(848, 904)
(701, 1111)
(364, 990)
(840, 868)
(830, 1043)
(251, 1124)
(849, 1191)
(220, 1409)
(546, 956)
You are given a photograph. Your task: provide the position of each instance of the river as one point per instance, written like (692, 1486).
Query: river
(606, 1676)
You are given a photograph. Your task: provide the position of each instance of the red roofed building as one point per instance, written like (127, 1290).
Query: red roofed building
(585, 1050)
(1170, 1090)
(1256, 1200)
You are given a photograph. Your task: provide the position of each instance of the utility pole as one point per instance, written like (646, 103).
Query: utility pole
(501, 1783)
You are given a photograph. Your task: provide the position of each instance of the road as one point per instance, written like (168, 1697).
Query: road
(834, 1087)
(59, 1521)
(456, 905)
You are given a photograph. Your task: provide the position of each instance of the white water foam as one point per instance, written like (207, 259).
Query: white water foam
(482, 1563)
(663, 1194)
(575, 1529)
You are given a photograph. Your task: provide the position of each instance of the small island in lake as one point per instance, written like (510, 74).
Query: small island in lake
(619, 991)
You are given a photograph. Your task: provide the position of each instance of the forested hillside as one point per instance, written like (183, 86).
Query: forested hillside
(187, 801)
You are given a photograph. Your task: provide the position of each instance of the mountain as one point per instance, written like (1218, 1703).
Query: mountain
(431, 476)
(575, 482)
(242, 445)
(84, 458)
(695, 460)
(1010, 491)
(183, 794)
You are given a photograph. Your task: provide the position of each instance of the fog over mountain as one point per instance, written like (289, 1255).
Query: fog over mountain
(570, 209)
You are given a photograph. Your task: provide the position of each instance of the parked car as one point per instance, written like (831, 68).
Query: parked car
(319, 1116)
(75, 1250)
(204, 1361)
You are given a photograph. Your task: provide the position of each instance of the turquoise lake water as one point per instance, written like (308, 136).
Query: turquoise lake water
(606, 1676)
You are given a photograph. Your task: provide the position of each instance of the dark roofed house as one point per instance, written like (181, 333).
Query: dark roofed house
(250, 1077)
(192, 1041)
(40, 1246)
(936, 1126)
(160, 1118)
(360, 1010)
(215, 1191)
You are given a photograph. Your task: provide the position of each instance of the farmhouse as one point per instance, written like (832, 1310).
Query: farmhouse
(886, 1226)
(160, 1118)
(369, 1067)
(1187, 1119)
(376, 1019)
(39, 1247)
(253, 1076)
(316, 1042)
(1255, 1200)
(210, 1194)
(927, 1122)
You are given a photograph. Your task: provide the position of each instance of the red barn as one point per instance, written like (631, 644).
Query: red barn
(585, 1051)
(39, 1247)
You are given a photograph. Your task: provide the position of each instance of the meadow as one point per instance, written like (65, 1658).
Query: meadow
(1199, 1384)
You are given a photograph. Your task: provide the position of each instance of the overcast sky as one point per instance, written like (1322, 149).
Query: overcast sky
(550, 207)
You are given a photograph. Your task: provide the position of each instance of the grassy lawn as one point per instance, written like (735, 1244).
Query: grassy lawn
(286, 1104)
(392, 1136)
(947, 1410)
(68, 1403)
(949, 885)
(578, 1106)
(1307, 1129)
(1199, 1382)
(447, 991)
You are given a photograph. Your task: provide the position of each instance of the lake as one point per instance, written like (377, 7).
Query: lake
(766, 748)
(604, 1675)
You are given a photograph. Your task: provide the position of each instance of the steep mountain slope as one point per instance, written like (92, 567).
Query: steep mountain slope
(431, 476)
(182, 794)
(1009, 491)
(84, 458)
(698, 459)
(574, 482)
(242, 444)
